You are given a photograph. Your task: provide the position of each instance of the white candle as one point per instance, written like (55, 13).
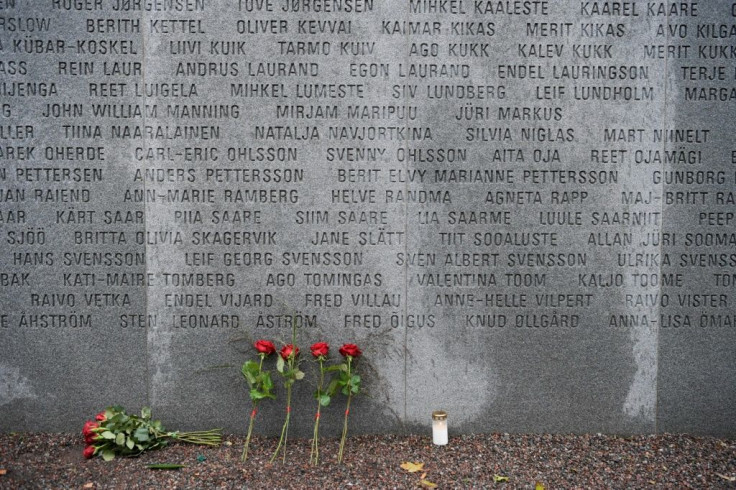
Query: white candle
(439, 428)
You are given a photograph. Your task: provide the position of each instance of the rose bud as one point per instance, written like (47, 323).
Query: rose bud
(89, 452)
(320, 349)
(351, 350)
(88, 426)
(289, 350)
(265, 347)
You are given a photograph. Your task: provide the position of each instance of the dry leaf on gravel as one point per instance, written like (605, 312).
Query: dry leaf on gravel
(727, 478)
(498, 478)
(412, 467)
(428, 484)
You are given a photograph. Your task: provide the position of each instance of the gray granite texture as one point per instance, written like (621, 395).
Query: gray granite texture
(522, 211)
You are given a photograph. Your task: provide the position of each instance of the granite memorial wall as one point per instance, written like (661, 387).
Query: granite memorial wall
(522, 211)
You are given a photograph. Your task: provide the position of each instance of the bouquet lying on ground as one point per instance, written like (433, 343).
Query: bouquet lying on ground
(115, 433)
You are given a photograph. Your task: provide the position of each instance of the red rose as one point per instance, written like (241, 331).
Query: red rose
(88, 432)
(289, 350)
(100, 417)
(351, 350)
(320, 349)
(265, 347)
(89, 452)
(88, 426)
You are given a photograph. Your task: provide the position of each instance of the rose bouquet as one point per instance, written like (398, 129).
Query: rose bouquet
(116, 433)
(259, 381)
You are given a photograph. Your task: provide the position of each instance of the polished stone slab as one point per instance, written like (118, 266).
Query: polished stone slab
(521, 211)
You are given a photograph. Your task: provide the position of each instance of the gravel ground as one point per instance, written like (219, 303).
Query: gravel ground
(554, 461)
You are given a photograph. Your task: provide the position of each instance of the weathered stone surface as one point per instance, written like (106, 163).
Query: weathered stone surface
(522, 211)
(697, 322)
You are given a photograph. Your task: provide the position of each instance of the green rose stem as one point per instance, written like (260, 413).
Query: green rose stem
(252, 413)
(291, 374)
(205, 437)
(285, 428)
(314, 456)
(212, 437)
(347, 412)
(250, 431)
